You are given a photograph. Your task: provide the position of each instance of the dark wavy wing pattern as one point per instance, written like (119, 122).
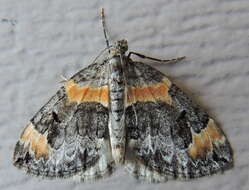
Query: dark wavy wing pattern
(173, 139)
(67, 137)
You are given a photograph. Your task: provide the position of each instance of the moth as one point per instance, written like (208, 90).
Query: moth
(118, 111)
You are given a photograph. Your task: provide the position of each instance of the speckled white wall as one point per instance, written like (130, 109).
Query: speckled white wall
(40, 40)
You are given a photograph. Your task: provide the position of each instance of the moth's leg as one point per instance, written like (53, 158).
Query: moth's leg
(155, 59)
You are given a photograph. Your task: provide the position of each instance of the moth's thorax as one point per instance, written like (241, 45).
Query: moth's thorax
(116, 87)
(116, 84)
(118, 49)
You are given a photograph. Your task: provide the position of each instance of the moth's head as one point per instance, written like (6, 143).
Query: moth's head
(121, 46)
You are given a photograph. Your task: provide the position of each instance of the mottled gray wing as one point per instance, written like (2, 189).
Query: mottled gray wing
(168, 135)
(69, 135)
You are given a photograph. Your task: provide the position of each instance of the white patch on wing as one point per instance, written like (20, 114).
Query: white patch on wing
(142, 172)
(135, 167)
(103, 168)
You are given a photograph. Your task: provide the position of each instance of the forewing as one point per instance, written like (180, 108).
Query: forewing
(69, 134)
(168, 135)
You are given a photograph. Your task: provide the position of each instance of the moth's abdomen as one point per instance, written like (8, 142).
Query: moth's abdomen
(116, 93)
(117, 98)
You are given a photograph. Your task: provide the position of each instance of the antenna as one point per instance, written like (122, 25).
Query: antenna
(104, 27)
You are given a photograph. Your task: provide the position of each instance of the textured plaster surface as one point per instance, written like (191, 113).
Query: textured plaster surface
(40, 40)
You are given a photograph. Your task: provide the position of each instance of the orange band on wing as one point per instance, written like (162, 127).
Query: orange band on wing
(78, 94)
(155, 92)
(37, 142)
(203, 142)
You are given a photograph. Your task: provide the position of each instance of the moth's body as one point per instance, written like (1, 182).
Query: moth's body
(118, 111)
(117, 96)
